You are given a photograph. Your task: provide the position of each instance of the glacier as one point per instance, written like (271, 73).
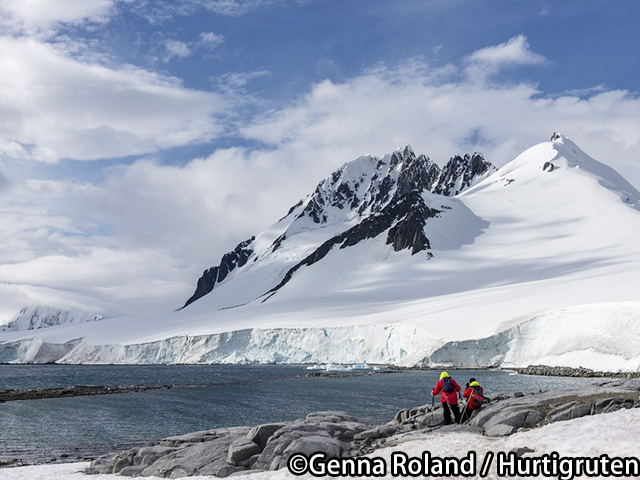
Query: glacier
(372, 344)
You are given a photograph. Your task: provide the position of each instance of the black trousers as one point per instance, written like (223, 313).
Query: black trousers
(447, 409)
(466, 415)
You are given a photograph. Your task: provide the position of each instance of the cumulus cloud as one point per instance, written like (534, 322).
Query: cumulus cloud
(176, 49)
(513, 52)
(54, 107)
(33, 16)
(440, 113)
(210, 40)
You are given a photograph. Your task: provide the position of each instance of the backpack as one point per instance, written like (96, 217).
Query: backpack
(447, 385)
(476, 397)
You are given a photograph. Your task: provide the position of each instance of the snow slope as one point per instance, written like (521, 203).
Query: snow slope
(551, 230)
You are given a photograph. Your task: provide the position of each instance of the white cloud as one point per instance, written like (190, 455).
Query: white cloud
(513, 52)
(233, 7)
(53, 106)
(388, 107)
(210, 40)
(176, 49)
(179, 49)
(164, 10)
(32, 16)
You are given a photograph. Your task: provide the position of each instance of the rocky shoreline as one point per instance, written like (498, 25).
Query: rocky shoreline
(74, 391)
(237, 450)
(546, 370)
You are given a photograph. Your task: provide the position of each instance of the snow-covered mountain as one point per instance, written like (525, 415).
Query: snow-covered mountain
(33, 318)
(394, 260)
(362, 200)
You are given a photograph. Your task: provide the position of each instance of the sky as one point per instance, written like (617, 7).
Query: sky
(141, 140)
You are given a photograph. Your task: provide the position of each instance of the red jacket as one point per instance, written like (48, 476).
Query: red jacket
(479, 394)
(452, 397)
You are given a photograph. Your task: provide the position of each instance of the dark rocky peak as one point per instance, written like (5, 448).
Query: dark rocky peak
(401, 156)
(341, 190)
(556, 136)
(367, 184)
(238, 257)
(460, 172)
(417, 173)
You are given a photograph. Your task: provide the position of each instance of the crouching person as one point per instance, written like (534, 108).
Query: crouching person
(474, 394)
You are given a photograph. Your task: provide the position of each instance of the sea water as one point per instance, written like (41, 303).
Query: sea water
(204, 397)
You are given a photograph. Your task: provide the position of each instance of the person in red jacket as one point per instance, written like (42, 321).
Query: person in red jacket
(448, 390)
(475, 395)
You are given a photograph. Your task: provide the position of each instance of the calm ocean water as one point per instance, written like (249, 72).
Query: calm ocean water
(205, 397)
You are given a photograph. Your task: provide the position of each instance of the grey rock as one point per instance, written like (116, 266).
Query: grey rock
(521, 451)
(261, 434)
(619, 405)
(315, 443)
(241, 449)
(562, 408)
(132, 471)
(432, 419)
(103, 464)
(460, 428)
(125, 459)
(228, 470)
(574, 411)
(202, 458)
(512, 417)
(380, 431)
(500, 430)
(250, 462)
(147, 455)
(330, 417)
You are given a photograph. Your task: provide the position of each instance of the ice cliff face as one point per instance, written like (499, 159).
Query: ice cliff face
(551, 338)
(364, 199)
(601, 337)
(376, 344)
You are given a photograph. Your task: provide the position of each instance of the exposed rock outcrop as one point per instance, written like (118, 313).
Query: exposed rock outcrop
(460, 172)
(235, 258)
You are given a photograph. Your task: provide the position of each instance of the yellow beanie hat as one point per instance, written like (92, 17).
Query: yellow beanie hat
(474, 384)
(443, 375)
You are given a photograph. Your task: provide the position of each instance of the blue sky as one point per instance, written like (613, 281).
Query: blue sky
(141, 140)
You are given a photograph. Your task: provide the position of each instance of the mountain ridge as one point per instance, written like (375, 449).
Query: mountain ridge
(370, 195)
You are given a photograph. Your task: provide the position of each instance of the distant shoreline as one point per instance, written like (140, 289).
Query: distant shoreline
(12, 395)
(544, 370)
